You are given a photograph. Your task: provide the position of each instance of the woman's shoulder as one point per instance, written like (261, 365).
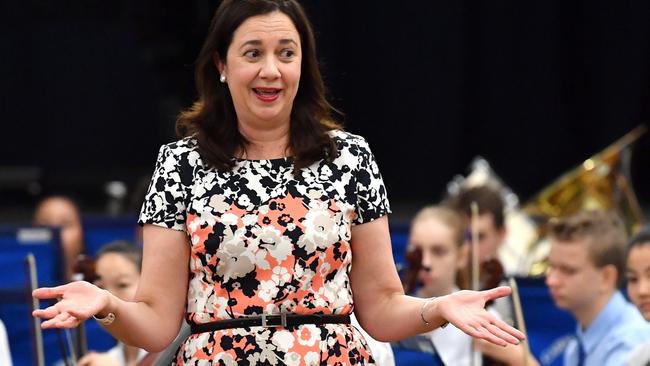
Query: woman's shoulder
(345, 136)
(181, 146)
(183, 150)
(347, 141)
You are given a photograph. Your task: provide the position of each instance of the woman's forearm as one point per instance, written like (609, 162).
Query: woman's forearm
(153, 319)
(396, 316)
(387, 314)
(401, 316)
(140, 324)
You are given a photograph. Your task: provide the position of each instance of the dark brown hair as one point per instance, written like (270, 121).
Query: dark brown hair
(212, 119)
(488, 199)
(604, 233)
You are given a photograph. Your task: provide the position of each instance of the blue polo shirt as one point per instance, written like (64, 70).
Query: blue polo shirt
(611, 337)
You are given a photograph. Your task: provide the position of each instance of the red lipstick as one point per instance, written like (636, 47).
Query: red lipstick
(267, 95)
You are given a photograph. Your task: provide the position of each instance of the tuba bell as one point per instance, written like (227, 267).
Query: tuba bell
(600, 182)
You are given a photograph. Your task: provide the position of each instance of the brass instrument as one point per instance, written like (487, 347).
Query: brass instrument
(600, 182)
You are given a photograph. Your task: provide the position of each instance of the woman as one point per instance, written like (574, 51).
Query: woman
(638, 286)
(267, 200)
(439, 233)
(117, 267)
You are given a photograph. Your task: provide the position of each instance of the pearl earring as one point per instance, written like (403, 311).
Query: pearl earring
(222, 78)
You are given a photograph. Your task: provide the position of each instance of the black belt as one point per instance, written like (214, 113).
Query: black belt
(270, 321)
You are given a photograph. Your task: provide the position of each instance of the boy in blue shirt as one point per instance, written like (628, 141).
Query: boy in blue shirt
(587, 261)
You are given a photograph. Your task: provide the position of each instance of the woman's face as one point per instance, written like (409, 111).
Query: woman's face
(441, 256)
(638, 278)
(262, 69)
(117, 274)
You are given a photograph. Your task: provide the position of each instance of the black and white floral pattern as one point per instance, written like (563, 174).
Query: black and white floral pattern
(263, 240)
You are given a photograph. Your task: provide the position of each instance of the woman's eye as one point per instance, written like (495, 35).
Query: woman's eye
(287, 53)
(252, 54)
(631, 279)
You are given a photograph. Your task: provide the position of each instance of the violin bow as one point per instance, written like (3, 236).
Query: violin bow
(476, 263)
(476, 355)
(37, 333)
(519, 316)
(80, 340)
(70, 343)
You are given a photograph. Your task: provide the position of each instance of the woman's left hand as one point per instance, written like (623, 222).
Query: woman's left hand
(466, 311)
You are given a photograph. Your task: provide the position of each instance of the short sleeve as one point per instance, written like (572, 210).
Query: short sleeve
(165, 202)
(372, 199)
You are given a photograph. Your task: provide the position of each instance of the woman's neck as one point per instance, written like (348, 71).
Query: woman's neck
(265, 143)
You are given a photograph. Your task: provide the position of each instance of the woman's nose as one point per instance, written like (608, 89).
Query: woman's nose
(270, 68)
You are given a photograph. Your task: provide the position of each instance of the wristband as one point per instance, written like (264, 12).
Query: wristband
(422, 314)
(107, 320)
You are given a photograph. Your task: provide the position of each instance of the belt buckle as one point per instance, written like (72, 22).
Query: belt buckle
(283, 321)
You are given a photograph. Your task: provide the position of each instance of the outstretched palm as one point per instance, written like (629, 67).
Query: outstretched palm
(466, 311)
(78, 301)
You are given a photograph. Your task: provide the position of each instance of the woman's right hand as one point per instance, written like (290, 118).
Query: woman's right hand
(78, 301)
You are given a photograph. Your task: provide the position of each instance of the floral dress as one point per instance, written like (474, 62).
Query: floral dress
(265, 241)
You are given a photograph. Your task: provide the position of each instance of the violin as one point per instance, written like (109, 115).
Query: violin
(84, 269)
(490, 275)
(410, 274)
(484, 275)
